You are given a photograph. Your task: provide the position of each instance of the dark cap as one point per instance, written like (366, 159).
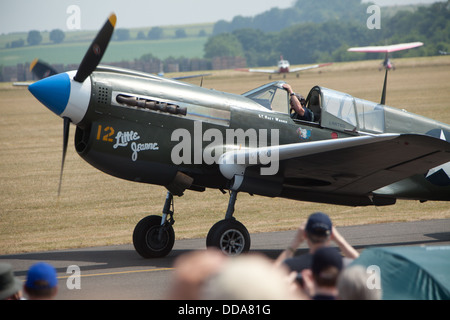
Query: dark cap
(319, 224)
(324, 258)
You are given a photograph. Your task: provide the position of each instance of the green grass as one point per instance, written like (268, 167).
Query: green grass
(72, 53)
(75, 44)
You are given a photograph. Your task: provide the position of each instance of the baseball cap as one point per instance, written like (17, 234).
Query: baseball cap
(324, 258)
(41, 276)
(319, 223)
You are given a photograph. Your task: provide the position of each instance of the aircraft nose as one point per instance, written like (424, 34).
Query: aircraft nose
(64, 96)
(53, 92)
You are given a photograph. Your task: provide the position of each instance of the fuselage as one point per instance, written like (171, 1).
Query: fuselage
(148, 129)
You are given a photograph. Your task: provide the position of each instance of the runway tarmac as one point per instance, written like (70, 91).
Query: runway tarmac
(118, 272)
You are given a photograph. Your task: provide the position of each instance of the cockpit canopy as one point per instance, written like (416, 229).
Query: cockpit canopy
(271, 96)
(344, 112)
(332, 109)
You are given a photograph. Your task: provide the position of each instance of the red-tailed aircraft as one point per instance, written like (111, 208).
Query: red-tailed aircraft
(387, 63)
(284, 67)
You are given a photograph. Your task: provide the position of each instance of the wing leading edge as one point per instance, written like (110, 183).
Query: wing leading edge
(353, 166)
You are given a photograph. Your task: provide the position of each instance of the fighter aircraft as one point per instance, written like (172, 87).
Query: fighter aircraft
(284, 67)
(387, 63)
(149, 129)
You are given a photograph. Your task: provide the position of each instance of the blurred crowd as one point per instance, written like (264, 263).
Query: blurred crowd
(322, 273)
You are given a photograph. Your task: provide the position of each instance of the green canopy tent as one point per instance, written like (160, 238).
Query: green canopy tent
(410, 273)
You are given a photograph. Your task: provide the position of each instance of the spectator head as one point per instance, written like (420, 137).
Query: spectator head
(318, 227)
(326, 266)
(10, 286)
(352, 285)
(41, 282)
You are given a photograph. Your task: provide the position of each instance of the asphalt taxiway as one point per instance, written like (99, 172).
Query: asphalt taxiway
(118, 272)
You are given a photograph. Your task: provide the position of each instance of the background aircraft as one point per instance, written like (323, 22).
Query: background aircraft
(387, 63)
(148, 129)
(284, 68)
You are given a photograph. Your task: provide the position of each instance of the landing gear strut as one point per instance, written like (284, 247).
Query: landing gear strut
(153, 236)
(229, 235)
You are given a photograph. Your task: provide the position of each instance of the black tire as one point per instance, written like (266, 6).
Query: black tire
(230, 236)
(151, 239)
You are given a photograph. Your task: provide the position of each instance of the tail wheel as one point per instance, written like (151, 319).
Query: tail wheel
(230, 236)
(151, 239)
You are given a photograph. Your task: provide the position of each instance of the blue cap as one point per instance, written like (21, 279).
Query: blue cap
(319, 223)
(53, 92)
(41, 276)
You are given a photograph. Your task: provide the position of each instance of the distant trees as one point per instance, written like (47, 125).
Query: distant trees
(34, 38)
(318, 11)
(180, 33)
(223, 45)
(338, 28)
(155, 33)
(121, 34)
(57, 35)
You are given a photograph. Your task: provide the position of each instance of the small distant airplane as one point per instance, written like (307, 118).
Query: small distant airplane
(284, 67)
(387, 63)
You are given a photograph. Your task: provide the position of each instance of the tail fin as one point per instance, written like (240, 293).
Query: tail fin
(383, 94)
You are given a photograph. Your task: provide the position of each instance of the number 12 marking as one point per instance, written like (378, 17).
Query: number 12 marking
(108, 132)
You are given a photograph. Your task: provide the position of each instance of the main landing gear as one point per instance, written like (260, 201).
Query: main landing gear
(154, 237)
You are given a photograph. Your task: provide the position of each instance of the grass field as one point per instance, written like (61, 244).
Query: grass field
(97, 209)
(75, 44)
(73, 53)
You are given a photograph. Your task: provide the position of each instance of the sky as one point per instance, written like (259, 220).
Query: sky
(26, 15)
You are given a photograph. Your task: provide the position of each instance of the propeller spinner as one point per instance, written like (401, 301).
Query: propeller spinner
(68, 94)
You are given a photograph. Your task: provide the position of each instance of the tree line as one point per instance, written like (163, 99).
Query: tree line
(326, 37)
(34, 37)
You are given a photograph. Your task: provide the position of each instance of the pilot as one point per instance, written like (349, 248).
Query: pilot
(298, 104)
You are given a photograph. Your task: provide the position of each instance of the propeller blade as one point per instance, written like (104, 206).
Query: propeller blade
(65, 142)
(41, 69)
(95, 52)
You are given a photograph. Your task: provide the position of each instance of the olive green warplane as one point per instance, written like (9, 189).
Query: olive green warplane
(148, 129)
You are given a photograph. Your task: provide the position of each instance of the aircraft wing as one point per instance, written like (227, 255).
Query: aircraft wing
(192, 76)
(386, 49)
(22, 84)
(258, 70)
(355, 165)
(309, 67)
